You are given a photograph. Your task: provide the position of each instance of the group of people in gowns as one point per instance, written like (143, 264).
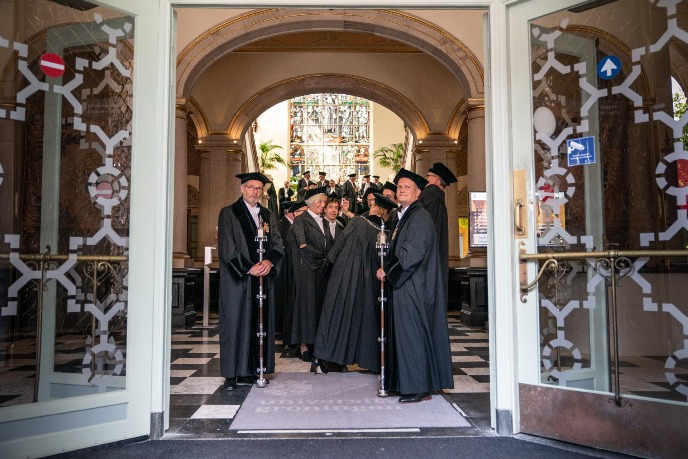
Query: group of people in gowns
(329, 282)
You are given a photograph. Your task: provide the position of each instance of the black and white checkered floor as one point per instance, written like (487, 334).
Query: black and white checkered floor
(199, 407)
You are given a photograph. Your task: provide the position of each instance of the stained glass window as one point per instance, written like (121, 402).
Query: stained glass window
(331, 133)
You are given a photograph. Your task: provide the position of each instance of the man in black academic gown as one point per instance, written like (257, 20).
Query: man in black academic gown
(418, 359)
(285, 279)
(304, 185)
(389, 190)
(240, 274)
(376, 182)
(350, 192)
(309, 242)
(284, 194)
(322, 180)
(333, 190)
(432, 198)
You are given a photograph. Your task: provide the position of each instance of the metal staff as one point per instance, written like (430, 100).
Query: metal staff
(382, 245)
(260, 238)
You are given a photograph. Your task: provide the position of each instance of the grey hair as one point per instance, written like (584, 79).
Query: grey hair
(313, 199)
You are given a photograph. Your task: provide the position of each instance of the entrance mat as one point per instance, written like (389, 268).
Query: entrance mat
(335, 401)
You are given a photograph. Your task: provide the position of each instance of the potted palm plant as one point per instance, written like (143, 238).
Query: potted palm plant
(267, 158)
(391, 156)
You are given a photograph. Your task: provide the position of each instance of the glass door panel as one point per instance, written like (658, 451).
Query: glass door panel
(608, 187)
(64, 187)
(608, 157)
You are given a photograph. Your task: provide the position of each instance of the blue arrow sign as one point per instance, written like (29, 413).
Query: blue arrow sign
(581, 151)
(608, 67)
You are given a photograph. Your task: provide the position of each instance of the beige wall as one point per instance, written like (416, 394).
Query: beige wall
(417, 77)
(388, 128)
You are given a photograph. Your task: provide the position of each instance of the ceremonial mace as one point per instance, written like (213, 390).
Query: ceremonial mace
(382, 245)
(261, 238)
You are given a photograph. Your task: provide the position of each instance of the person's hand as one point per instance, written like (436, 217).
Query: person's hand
(261, 269)
(380, 274)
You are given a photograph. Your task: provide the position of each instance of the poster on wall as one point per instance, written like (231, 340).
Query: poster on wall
(477, 212)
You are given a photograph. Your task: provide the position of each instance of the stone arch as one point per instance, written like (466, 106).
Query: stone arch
(395, 25)
(337, 83)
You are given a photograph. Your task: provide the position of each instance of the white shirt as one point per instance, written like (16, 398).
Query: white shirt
(318, 219)
(254, 211)
(402, 212)
(333, 226)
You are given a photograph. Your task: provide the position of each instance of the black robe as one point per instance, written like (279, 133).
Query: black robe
(349, 192)
(309, 277)
(238, 305)
(432, 199)
(272, 200)
(301, 188)
(283, 288)
(350, 322)
(418, 354)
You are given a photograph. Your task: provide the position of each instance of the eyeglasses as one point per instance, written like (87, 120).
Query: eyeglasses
(254, 188)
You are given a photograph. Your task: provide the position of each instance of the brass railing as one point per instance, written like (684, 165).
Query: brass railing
(96, 266)
(612, 261)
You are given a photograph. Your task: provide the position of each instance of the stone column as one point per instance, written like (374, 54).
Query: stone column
(475, 120)
(180, 257)
(221, 160)
(476, 148)
(446, 153)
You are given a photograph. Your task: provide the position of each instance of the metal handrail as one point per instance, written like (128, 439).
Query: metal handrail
(102, 262)
(609, 260)
(602, 254)
(50, 257)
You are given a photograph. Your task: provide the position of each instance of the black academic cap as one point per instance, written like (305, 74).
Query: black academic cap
(366, 176)
(296, 206)
(376, 176)
(314, 191)
(352, 175)
(389, 186)
(252, 176)
(307, 172)
(368, 191)
(444, 173)
(417, 179)
(385, 202)
(322, 173)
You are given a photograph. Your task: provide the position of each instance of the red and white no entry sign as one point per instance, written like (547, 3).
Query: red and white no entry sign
(104, 189)
(52, 65)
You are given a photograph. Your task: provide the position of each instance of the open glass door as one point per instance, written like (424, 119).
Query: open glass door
(603, 249)
(68, 377)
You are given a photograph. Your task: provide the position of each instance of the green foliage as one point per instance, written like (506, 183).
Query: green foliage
(268, 159)
(391, 156)
(680, 107)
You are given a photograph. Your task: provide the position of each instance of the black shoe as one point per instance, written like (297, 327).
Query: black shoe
(291, 353)
(319, 364)
(306, 356)
(230, 384)
(415, 398)
(249, 380)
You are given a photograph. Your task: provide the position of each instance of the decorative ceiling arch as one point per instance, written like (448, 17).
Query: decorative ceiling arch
(395, 25)
(321, 83)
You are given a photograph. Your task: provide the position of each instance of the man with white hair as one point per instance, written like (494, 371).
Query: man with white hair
(309, 241)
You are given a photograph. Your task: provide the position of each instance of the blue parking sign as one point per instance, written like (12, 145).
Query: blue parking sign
(581, 151)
